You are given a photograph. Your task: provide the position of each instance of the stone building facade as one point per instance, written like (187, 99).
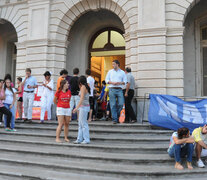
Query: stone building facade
(165, 40)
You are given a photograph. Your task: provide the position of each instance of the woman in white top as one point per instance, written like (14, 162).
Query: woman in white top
(10, 98)
(47, 96)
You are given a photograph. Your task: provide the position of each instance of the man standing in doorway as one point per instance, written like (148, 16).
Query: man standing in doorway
(128, 96)
(29, 83)
(90, 81)
(74, 86)
(116, 78)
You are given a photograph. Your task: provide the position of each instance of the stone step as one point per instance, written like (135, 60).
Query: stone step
(101, 124)
(120, 138)
(122, 151)
(67, 157)
(9, 171)
(106, 130)
(99, 147)
(106, 170)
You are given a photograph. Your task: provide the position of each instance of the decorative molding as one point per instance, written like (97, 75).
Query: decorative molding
(162, 31)
(14, 3)
(176, 31)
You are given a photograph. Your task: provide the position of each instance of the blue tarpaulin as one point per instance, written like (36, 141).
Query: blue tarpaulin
(172, 113)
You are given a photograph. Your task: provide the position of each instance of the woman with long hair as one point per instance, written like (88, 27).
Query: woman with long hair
(10, 98)
(62, 100)
(3, 109)
(84, 108)
(47, 96)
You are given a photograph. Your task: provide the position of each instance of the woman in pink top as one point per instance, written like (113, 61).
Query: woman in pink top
(20, 97)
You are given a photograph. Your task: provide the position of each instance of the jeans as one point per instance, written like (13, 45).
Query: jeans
(46, 104)
(129, 112)
(28, 99)
(5, 111)
(177, 152)
(83, 128)
(12, 110)
(74, 101)
(116, 103)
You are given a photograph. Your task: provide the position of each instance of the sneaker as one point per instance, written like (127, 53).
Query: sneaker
(13, 130)
(84, 142)
(76, 142)
(103, 119)
(7, 129)
(200, 163)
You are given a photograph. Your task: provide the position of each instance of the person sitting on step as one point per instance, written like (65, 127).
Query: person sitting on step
(200, 135)
(181, 144)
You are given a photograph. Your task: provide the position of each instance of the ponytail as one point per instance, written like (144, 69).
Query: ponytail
(87, 87)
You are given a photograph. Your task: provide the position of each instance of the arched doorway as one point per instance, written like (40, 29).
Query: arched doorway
(8, 37)
(85, 31)
(106, 45)
(195, 51)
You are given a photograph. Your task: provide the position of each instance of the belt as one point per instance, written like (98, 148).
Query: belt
(29, 91)
(115, 88)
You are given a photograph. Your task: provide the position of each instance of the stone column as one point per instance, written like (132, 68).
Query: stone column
(151, 67)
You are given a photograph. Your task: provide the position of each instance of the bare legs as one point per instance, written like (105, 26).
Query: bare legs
(198, 150)
(66, 125)
(62, 120)
(19, 108)
(90, 115)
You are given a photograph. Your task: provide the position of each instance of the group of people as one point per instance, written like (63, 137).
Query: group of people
(74, 95)
(183, 144)
(78, 95)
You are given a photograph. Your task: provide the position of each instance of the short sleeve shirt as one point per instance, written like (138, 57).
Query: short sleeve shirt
(63, 99)
(175, 134)
(90, 81)
(74, 86)
(46, 91)
(130, 79)
(9, 96)
(30, 81)
(58, 81)
(107, 90)
(198, 136)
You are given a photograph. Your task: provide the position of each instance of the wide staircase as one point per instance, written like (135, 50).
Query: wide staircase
(122, 151)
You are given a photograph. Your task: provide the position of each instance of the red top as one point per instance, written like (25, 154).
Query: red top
(21, 94)
(63, 99)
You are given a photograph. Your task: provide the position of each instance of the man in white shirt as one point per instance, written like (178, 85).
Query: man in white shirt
(90, 81)
(116, 78)
(29, 83)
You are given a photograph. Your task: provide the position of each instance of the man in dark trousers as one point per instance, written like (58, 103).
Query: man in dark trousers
(128, 96)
